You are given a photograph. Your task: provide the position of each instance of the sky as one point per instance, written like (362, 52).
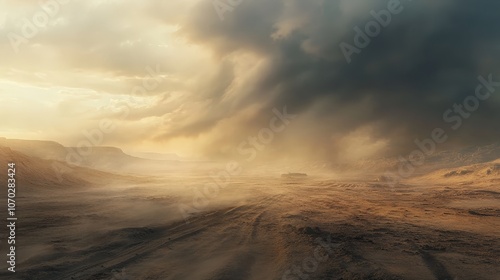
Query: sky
(203, 78)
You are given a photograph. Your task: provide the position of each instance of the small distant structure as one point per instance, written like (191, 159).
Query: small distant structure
(384, 179)
(294, 175)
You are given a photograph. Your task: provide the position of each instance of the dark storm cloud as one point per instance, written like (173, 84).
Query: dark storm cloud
(424, 61)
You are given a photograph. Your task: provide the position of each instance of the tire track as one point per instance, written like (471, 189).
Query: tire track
(146, 248)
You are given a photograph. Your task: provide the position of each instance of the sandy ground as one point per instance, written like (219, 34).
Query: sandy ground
(261, 228)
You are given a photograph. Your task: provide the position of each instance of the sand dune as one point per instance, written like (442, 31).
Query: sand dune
(482, 173)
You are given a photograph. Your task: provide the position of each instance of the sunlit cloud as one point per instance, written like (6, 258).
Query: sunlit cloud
(219, 80)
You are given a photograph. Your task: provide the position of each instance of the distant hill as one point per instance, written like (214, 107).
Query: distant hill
(37, 148)
(102, 158)
(109, 158)
(438, 160)
(33, 173)
(479, 173)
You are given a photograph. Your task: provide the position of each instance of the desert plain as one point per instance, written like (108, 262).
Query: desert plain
(94, 224)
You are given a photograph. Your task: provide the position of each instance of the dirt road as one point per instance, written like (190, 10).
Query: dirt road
(272, 229)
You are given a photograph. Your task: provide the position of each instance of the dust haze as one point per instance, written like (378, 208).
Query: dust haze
(219, 220)
(250, 139)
